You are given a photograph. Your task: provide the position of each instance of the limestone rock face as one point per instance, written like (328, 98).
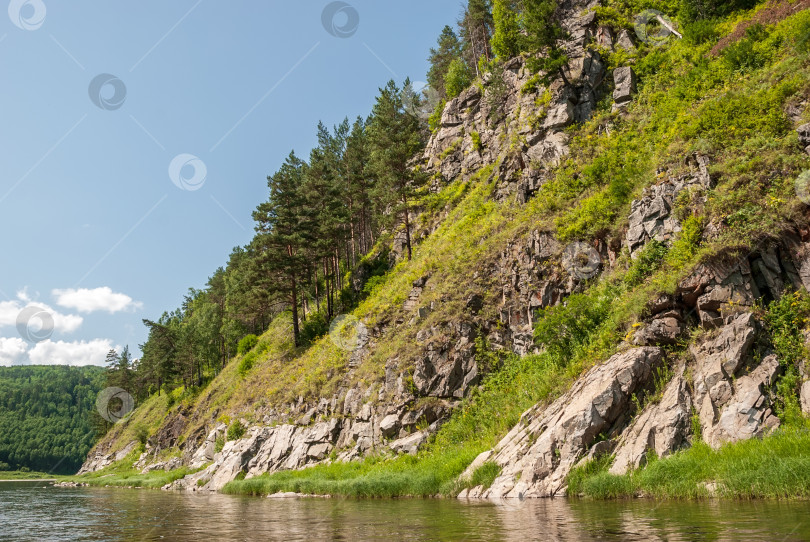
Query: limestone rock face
(537, 455)
(733, 405)
(663, 427)
(206, 452)
(102, 457)
(447, 369)
(519, 123)
(748, 413)
(651, 217)
(529, 282)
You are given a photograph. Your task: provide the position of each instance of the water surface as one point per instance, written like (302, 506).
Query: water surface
(37, 511)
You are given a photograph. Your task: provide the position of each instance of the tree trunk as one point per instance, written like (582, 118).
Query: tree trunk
(407, 228)
(296, 330)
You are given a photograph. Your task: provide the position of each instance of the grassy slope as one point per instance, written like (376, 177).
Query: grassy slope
(688, 102)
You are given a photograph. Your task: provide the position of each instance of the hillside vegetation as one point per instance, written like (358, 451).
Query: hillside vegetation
(734, 88)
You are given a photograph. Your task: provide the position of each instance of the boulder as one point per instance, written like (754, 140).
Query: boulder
(662, 330)
(410, 444)
(389, 426)
(804, 136)
(748, 412)
(205, 453)
(805, 397)
(625, 82)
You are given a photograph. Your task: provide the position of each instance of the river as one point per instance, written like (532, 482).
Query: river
(38, 511)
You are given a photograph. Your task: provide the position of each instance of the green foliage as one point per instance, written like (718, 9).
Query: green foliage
(702, 31)
(235, 431)
(565, 330)
(584, 471)
(142, 434)
(476, 139)
(458, 78)
(786, 319)
(247, 344)
(648, 260)
(48, 417)
(506, 39)
(449, 49)
(749, 53)
(435, 120)
(317, 325)
(247, 362)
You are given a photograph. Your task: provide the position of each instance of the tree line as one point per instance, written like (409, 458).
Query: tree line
(48, 417)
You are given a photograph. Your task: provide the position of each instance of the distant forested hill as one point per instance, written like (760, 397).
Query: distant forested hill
(47, 416)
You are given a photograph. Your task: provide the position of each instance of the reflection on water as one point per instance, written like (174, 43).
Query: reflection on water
(37, 512)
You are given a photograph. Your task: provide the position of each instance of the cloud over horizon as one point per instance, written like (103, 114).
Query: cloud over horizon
(86, 300)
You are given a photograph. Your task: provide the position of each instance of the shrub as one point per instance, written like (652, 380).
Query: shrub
(458, 78)
(236, 431)
(747, 53)
(434, 121)
(317, 325)
(247, 363)
(476, 140)
(246, 344)
(648, 261)
(142, 434)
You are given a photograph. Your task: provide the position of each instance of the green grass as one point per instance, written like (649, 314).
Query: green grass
(777, 466)
(21, 475)
(377, 476)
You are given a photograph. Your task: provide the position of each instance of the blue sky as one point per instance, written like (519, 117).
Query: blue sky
(96, 233)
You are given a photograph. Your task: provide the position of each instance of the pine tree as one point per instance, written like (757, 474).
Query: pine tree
(283, 233)
(394, 141)
(360, 182)
(449, 49)
(542, 32)
(475, 27)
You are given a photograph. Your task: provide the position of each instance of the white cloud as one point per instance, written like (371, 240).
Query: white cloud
(10, 310)
(98, 299)
(12, 351)
(74, 353)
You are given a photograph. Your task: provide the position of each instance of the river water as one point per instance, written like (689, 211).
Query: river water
(37, 511)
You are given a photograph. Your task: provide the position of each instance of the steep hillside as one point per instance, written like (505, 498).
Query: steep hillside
(603, 273)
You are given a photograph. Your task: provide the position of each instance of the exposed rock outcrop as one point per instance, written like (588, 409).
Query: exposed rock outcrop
(663, 427)
(537, 455)
(624, 79)
(729, 403)
(652, 218)
(101, 457)
(519, 122)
